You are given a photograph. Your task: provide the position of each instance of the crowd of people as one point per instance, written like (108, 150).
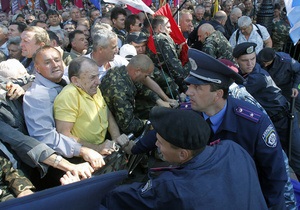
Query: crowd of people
(75, 83)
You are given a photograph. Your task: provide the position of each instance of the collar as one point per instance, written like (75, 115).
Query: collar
(216, 119)
(229, 123)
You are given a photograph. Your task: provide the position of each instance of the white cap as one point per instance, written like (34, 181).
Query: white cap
(128, 51)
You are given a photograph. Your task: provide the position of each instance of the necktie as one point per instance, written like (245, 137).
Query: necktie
(210, 126)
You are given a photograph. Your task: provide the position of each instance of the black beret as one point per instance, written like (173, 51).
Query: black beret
(182, 128)
(266, 55)
(244, 49)
(205, 69)
(136, 37)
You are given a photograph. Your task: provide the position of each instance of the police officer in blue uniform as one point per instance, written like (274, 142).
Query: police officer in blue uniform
(216, 177)
(284, 70)
(239, 121)
(261, 86)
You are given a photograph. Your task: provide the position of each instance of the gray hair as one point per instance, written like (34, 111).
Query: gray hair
(4, 29)
(99, 26)
(236, 11)
(12, 69)
(244, 21)
(102, 38)
(14, 40)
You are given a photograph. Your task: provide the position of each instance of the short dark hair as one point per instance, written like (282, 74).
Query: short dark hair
(72, 35)
(21, 26)
(35, 22)
(214, 87)
(51, 12)
(115, 12)
(130, 20)
(53, 36)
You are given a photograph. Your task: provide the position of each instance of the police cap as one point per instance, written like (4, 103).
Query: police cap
(182, 128)
(266, 55)
(206, 70)
(244, 49)
(136, 37)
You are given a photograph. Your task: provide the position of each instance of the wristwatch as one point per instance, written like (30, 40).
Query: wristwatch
(57, 160)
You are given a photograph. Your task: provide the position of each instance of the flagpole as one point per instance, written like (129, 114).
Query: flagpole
(179, 8)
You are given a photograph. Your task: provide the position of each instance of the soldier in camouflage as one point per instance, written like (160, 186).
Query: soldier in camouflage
(167, 54)
(121, 86)
(12, 182)
(139, 41)
(280, 34)
(214, 42)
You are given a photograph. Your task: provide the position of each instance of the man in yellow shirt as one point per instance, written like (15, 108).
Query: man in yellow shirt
(80, 111)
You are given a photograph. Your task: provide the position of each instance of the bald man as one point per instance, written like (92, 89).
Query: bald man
(214, 42)
(219, 21)
(231, 23)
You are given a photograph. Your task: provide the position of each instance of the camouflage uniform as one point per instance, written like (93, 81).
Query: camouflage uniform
(13, 182)
(165, 82)
(167, 58)
(218, 46)
(120, 92)
(280, 34)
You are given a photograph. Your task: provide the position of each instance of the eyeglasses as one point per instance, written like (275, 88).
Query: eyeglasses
(140, 25)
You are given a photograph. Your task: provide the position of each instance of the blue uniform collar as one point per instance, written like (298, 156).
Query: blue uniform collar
(217, 119)
(229, 121)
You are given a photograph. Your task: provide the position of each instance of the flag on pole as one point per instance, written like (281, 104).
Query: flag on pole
(14, 6)
(137, 4)
(216, 7)
(37, 4)
(58, 5)
(136, 11)
(176, 34)
(78, 3)
(293, 10)
(5, 6)
(96, 3)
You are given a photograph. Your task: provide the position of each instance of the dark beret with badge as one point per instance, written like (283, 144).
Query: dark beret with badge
(205, 69)
(265, 55)
(244, 49)
(185, 129)
(136, 37)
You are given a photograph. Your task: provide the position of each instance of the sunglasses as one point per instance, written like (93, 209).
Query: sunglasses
(140, 25)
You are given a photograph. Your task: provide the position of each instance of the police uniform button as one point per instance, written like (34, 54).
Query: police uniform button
(240, 110)
(251, 114)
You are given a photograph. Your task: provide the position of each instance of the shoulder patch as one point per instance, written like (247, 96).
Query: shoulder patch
(248, 114)
(147, 186)
(269, 136)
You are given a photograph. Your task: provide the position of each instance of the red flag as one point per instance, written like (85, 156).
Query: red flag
(5, 6)
(58, 5)
(78, 3)
(176, 34)
(136, 11)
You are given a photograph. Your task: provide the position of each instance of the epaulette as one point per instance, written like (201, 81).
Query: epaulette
(247, 114)
(284, 57)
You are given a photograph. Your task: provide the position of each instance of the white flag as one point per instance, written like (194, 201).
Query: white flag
(137, 4)
(293, 10)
